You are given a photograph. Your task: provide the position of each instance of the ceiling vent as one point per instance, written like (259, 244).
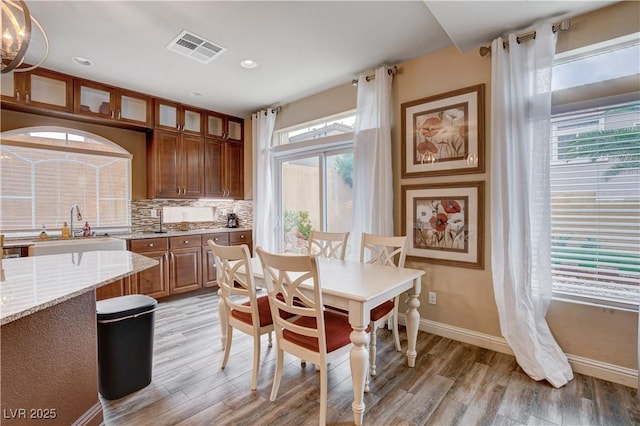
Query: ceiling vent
(195, 47)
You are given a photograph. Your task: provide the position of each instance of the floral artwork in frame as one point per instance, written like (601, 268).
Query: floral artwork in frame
(444, 223)
(444, 134)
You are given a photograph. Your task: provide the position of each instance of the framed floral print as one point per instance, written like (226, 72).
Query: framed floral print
(444, 223)
(444, 134)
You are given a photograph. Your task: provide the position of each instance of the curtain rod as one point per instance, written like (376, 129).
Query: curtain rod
(561, 27)
(391, 71)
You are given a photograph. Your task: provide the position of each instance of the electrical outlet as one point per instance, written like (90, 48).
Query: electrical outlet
(432, 297)
(154, 213)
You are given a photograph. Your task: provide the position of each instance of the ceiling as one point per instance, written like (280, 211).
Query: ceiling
(302, 47)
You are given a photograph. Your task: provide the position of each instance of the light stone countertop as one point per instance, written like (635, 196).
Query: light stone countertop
(25, 242)
(31, 284)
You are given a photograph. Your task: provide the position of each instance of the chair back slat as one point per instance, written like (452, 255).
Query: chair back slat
(235, 278)
(383, 250)
(331, 245)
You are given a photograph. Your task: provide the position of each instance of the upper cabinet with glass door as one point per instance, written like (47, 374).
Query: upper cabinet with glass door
(38, 88)
(225, 127)
(176, 117)
(99, 100)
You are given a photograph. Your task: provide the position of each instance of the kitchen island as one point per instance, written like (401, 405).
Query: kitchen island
(48, 334)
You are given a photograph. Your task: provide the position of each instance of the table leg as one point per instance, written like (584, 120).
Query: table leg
(222, 316)
(413, 319)
(359, 360)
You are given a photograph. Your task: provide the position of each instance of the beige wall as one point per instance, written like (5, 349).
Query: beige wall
(132, 141)
(465, 296)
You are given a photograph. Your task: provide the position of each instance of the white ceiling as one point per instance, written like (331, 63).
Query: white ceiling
(302, 47)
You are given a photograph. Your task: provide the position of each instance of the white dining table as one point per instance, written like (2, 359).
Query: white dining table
(358, 287)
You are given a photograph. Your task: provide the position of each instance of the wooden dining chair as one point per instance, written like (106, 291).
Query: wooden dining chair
(328, 244)
(244, 310)
(303, 328)
(388, 251)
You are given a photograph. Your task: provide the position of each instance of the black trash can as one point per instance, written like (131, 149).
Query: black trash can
(125, 344)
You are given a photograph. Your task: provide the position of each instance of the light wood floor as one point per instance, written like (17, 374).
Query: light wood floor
(452, 384)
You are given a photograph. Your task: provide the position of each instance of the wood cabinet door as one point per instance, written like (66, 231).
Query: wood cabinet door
(214, 169)
(132, 107)
(215, 125)
(93, 99)
(192, 166)
(115, 289)
(48, 89)
(166, 173)
(186, 270)
(154, 282)
(208, 268)
(235, 129)
(235, 170)
(166, 115)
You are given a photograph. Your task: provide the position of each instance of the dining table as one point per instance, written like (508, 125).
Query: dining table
(358, 287)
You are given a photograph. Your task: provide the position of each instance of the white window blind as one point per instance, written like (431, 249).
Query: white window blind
(44, 174)
(595, 205)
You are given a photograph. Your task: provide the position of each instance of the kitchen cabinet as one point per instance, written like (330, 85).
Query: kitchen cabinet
(175, 164)
(224, 169)
(118, 288)
(153, 282)
(208, 260)
(39, 88)
(178, 118)
(99, 100)
(224, 127)
(186, 263)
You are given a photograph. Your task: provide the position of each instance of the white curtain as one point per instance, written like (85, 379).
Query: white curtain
(372, 174)
(520, 202)
(263, 123)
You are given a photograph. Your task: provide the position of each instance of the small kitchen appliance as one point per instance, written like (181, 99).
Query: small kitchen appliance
(232, 220)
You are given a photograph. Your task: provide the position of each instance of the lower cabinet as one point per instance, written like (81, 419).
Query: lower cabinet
(153, 282)
(209, 262)
(118, 288)
(186, 263)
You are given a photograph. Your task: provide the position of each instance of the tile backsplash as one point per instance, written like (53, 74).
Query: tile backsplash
(198, 214)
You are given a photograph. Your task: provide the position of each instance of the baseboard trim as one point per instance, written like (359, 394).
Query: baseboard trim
(586, 366)
(93, 416)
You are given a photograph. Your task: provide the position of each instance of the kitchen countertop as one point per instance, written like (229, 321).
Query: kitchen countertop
(25, 242)
(31, 284)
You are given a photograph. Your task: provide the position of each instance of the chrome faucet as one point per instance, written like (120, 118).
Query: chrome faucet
(78, 216)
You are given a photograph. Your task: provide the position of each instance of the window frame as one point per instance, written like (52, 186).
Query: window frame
(117, 152)
(574, 100)
(321, 148)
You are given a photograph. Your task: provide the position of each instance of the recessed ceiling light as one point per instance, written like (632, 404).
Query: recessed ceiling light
(249, 64)
(194, 93)
(82, 61)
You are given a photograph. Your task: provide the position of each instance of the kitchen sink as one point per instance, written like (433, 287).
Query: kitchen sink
(76, 245)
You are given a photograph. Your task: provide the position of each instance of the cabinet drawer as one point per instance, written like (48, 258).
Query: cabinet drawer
(149, 244)
(240, 237)
(221, 239)
(184, 242)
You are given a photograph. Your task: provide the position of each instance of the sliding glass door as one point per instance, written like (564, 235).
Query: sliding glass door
(314, 191)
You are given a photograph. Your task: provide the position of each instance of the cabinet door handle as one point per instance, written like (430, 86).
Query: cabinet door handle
(242, 237)
(27, 98)
(150, 245)
(119, 114)
(18, 95)
(186, 242)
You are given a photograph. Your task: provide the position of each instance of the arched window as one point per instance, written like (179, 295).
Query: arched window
(44, 171)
